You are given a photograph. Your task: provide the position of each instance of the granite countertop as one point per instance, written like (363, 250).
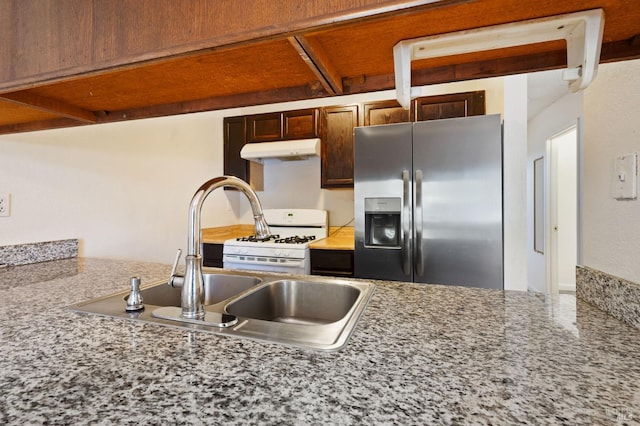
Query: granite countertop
(420, 354)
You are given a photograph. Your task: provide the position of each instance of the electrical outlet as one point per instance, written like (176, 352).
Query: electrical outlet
(5, 204)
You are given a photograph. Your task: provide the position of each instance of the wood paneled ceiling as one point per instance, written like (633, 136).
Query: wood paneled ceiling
(329, 57)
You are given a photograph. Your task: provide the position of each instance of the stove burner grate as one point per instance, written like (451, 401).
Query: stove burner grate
(296, 239)
(254, 239)
(276, 239)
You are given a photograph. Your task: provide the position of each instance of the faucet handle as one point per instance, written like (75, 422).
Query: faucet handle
(176, 280)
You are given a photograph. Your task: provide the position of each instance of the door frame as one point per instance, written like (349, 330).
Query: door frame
(551, 239)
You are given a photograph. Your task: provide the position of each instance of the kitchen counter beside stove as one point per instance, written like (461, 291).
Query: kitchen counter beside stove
(421, 354)
(220, 234)
(339, 238)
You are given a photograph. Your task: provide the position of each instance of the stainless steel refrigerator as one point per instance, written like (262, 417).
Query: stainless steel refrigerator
(428, 202)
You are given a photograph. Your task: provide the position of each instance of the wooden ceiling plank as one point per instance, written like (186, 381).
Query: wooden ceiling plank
(322, 62)
(50, 105)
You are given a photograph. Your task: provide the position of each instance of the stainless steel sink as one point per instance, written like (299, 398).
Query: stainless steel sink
(311, 312)
(297, 302)
(217, 287)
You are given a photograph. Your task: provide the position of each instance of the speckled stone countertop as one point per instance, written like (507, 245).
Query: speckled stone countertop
(419, 355)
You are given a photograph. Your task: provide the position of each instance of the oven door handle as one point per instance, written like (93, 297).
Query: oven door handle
(289, 263)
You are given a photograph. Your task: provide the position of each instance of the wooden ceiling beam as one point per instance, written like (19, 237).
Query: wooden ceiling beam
(217, 103)
(318, 61)
(623, 50)
(200, 105)
(49, 105)
(611, 52)
(32, 126)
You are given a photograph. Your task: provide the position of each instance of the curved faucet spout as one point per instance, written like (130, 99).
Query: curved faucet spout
(195, 209)
(193, 287)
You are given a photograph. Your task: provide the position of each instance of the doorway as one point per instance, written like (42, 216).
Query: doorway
(562, 211)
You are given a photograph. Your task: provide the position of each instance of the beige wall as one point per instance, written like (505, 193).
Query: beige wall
(611, 228)
(123, 189)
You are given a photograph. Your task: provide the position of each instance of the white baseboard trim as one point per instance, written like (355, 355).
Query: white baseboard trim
(566, 287)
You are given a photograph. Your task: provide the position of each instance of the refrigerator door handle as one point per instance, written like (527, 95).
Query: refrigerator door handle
(418, 224)
(405, 223)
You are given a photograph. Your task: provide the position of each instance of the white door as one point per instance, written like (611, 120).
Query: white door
(562, 212)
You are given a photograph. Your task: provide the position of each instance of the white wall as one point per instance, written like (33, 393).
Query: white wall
(611, 228)
(559, 116)
(515, 182)
(124, 188)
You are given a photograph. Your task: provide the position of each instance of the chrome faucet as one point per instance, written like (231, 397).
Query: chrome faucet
(192, 298)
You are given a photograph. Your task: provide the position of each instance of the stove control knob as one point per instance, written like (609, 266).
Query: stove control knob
(285, 253)
(277, 253)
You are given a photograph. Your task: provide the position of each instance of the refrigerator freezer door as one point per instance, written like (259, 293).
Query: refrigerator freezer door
(460, 205)
(382, 196)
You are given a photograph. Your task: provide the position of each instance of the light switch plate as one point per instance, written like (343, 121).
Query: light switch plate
(625, 177)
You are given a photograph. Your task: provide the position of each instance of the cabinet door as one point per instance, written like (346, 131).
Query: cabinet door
(234, 139)
(300, 124)
(385, 112)
(212, 255)
(337, 263)
(450, 106)
(264, 127)
(337, 145)
(235, 132)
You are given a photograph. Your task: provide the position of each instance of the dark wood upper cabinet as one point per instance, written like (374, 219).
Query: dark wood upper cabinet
(385, 112)
(264, 127)
(235, 137)
(450, 106)
(334, 125)
(300, 124)
(234, 140)
(288, 125)
(336, 132)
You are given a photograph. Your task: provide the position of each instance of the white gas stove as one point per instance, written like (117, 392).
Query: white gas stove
(287, 250)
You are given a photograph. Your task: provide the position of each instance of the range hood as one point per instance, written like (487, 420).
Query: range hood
(300, 149)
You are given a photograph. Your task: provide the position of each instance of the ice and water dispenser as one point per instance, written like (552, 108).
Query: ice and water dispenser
(382, 222)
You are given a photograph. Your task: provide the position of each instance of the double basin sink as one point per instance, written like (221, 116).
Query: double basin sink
(317, 313)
